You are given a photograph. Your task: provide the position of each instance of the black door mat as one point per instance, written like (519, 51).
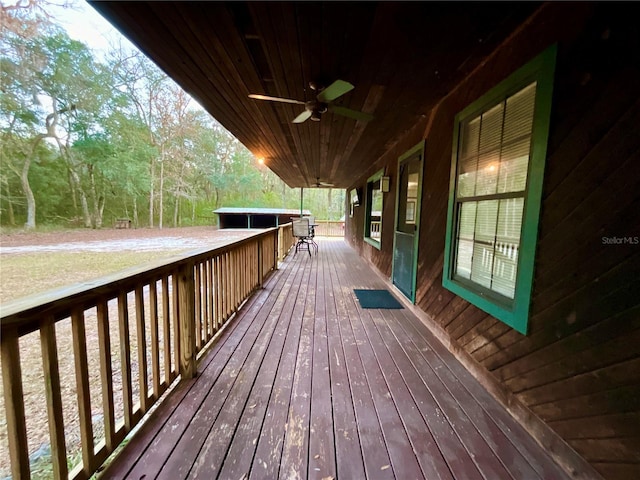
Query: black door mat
(377, 299)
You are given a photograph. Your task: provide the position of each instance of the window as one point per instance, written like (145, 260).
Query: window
(495, 190)
(373, 212)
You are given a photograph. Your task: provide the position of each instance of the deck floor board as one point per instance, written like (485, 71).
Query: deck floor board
(305, 384)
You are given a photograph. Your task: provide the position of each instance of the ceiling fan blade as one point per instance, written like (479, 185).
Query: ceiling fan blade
(275, 99)
(322, 184)
(347, 112)
(304, 116)
(335, 90)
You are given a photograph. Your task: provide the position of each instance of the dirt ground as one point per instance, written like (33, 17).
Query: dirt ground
(23, 237)
(31, 262)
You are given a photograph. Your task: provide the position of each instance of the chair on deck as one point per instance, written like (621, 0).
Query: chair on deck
(312, 230)
(302, 232)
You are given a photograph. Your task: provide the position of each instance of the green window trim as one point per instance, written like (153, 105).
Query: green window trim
(514, 313)
(368, 237)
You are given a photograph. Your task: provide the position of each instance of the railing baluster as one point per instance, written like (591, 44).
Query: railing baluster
(244, 266)
(83, 389)
(155, 347)
(237, 281)
(106, 373)
(14, 403)
(226, 286)
(231, 283)
(54, 398)
(259, 260)
(211, 316)
(142, 349)
(166, 328)
(125, 358)
(198, 306)
(219, 290)
(175, 322)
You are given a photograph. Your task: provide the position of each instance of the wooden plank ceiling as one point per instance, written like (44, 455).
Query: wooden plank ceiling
(402, 58)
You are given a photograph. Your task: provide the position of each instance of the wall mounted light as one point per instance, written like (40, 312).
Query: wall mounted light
(385, 184)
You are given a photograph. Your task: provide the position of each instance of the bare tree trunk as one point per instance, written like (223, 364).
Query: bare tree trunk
(26, 188)
(176, 208)
(151, 191)
(12, 217)
(135, 211)
(94, 198)
(161, 194)
(51, 121)
(97, 201)
(84, 204)
(85, 210)
(74, 194)
(100, 212)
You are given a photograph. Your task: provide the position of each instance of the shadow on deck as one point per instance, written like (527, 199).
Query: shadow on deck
(306, 384)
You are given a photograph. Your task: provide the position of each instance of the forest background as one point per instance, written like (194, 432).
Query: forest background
(86, 139)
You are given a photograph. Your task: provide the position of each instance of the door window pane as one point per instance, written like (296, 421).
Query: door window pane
(373, 225)
(408, 195)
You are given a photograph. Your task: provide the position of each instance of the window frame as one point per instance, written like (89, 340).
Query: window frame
(541, 70)
(377, 243)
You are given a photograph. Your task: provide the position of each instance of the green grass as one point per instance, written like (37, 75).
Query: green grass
(28, 274)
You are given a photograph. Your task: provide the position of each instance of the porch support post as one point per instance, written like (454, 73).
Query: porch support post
(187, 320)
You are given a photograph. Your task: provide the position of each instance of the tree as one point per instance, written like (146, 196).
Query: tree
(120, 138)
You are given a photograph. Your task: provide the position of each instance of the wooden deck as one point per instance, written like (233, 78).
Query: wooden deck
(306, 384)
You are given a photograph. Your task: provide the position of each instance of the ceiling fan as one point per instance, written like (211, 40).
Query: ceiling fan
(315, 108)
(320, 184)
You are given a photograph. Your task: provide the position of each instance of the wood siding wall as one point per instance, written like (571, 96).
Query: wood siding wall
(578, 369)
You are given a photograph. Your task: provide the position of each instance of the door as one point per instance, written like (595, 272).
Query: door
(407, 225)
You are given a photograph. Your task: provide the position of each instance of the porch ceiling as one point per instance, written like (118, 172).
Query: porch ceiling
(402, 58)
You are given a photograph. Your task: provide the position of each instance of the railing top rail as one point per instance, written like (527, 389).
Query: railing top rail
(21, 312)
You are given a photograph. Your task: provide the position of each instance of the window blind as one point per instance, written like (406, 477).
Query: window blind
(493, 163)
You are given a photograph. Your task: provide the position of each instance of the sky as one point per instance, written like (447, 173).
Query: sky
(83, 23)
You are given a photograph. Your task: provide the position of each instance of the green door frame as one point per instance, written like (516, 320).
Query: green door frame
(418, 149)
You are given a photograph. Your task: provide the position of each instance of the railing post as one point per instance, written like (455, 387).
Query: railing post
(260, 264)
(187, 320)
(276, 249)
(14, 404)
(54, 398)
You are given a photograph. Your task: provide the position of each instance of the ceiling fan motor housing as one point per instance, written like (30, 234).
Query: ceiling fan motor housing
(316, 106)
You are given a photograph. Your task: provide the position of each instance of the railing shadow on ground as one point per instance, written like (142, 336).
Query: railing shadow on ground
(150, 325)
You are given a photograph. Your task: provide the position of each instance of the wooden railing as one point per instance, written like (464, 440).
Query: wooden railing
(285, 240)
(132, 334)
(329, 228)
